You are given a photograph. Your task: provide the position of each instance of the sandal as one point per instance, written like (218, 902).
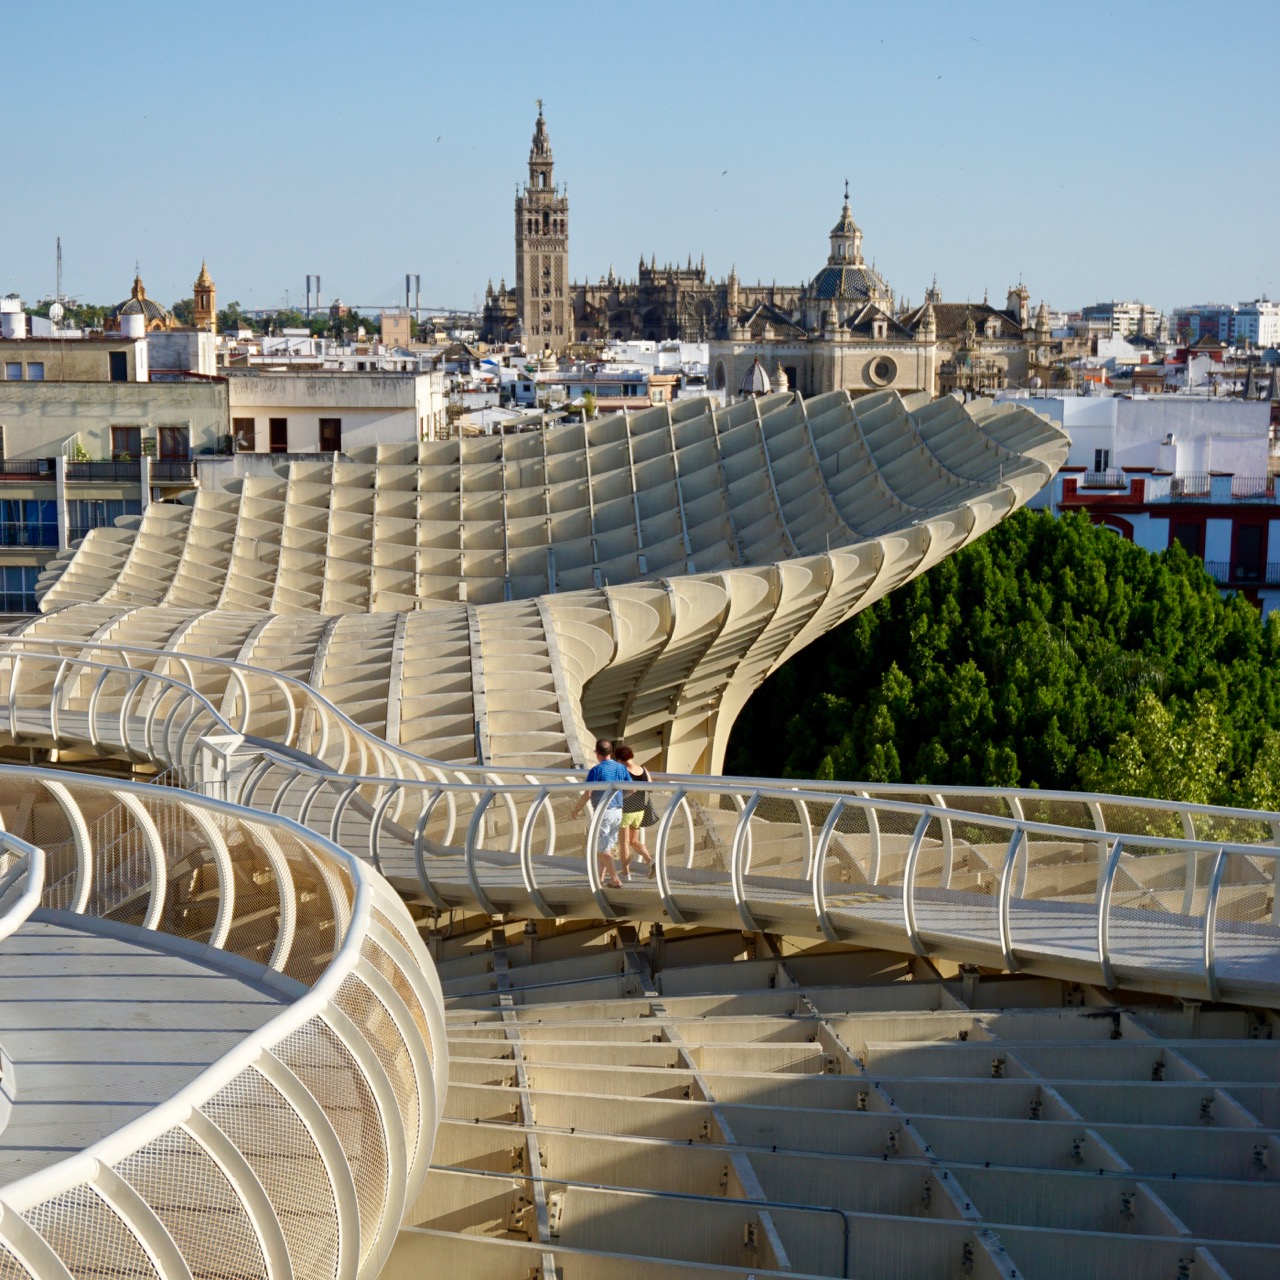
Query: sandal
(615, 883)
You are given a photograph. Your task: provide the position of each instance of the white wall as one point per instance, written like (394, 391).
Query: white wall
(184, 350)
(1209, 435)
(374, 408)
(1090, 422)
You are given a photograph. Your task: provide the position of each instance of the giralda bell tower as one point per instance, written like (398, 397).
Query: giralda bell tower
(542, 251)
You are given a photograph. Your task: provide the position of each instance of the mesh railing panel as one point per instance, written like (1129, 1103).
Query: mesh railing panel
(896, 830)
(326, 1068)
(256, 923)
(392, 928)
(10, 1267)
(370, 1015)
(388, 968)
(1247, 934)
(1053, 811)
(315, 934)
(957, 883)
(281, 1151)
(44, 823)
(1156, 918)
(194, 889)
(90, 1237)
(198, 1206)
(780, 846)
(497, 867)
(1063, 870)
(1134, 819)
(1232, 830)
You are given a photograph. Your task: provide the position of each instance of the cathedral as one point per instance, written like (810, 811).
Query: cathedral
(663, 302)
(841, 331)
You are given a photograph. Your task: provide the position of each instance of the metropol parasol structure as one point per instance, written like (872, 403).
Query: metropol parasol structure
(303, 970)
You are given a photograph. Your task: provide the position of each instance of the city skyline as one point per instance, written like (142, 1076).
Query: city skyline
(983, 145)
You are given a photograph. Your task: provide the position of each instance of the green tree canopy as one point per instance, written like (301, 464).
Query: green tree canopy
(1050, 653)
(75, 315)
(231, 317)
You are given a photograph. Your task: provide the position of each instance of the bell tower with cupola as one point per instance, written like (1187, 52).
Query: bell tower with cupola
(204, 314)
(542, 250)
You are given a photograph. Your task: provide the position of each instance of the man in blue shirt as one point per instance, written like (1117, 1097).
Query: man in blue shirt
(611, 771)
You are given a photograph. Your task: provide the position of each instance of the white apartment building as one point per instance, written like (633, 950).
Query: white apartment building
(322, 411)
(1256, 322)
(1122, 319)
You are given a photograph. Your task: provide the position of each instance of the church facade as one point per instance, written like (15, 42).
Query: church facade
(841, 331)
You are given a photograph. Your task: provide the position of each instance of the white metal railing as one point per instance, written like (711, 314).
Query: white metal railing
(1152, 905)
(352, 1068)
(432, 836)
(22, 868)
(252, 700)
(349, 749)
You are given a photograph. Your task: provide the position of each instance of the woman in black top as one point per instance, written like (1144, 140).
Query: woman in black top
(634, 804)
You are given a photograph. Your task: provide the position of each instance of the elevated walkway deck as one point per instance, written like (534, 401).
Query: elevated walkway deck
(98, 1028)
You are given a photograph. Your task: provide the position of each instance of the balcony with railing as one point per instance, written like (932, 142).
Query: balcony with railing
(27, 470)
(175, 471)
(1229, 573)
(119, 471)
(1193, 486)
(1253, 488)
(1110, 479)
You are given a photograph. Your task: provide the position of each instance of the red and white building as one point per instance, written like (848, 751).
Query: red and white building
(1185, 469)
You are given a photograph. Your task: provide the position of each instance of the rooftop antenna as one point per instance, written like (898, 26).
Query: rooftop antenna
(57, 293)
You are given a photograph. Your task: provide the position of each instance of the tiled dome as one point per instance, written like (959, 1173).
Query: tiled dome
(139, 304)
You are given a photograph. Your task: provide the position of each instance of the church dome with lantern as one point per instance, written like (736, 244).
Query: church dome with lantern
(847, 279)
(155, 317)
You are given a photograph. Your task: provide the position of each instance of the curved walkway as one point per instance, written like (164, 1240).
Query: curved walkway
(221, 1040)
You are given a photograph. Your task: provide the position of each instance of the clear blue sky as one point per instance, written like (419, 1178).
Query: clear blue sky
(1096, 149)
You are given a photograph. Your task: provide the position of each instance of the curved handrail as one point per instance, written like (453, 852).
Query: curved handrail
(458, 868)
(350, 979)
(385, 751)
(393, 757)
(363, 804)
(25, 867)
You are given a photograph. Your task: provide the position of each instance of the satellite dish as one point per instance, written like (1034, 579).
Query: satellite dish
(56, 312)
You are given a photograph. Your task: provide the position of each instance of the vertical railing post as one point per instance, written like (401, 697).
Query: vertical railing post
(1007, 872)
(1104, 913)
(909, 884)
(818, 884)
(375, 826)
(540, 801)
(948, 842)
(739, 862)
(420, 853)
(1189, 888)
(1211, 924)
(873, 836)
(661, 863)
(473, 832)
